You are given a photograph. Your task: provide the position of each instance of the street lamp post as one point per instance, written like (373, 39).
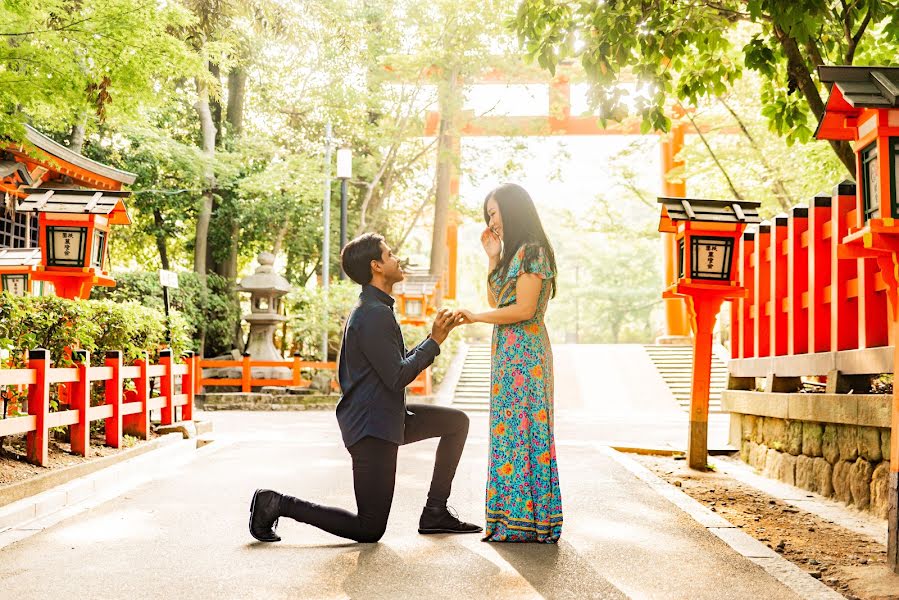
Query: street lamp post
(344, 172)
(326, 240)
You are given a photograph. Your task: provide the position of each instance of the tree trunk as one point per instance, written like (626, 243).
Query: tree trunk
(777, 185)
(799, 71)
(445, 160)
(215, 105)
(160, 238)
(237, 91)
(76, 137)
(208, 131)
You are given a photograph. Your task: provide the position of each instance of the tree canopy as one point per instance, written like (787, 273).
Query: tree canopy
(688, 51)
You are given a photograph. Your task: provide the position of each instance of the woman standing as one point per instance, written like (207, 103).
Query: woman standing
(523, 499)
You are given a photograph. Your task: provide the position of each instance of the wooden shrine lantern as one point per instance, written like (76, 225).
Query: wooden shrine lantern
(73, 232)
(863, 108)
(17, 265)
(706, 233)
(416, 297)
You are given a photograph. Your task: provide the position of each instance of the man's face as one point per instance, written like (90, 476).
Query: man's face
(390, 265)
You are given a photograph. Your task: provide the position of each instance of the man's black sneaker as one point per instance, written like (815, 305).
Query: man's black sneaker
(441, 520)
(264, 513)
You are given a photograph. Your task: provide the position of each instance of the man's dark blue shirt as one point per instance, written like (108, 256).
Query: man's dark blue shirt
(374, 370)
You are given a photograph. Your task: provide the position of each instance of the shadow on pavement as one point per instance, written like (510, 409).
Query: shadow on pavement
(557, 570)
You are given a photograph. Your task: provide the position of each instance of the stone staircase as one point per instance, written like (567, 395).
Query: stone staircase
(675, 365)
(472, 391)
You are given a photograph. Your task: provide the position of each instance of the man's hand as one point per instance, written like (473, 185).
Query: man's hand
(443, 324)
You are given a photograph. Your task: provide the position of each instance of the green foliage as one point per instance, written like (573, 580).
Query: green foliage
(206, 308)
(306, 307)
(98, 326)
(681, 51)
(62, 62)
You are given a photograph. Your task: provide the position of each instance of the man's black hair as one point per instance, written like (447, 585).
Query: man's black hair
(356, 256)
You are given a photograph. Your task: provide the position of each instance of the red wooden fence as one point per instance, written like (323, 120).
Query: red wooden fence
(125, 411)
(802, 299)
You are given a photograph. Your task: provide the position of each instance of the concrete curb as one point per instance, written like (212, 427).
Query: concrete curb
(806, 586)
(16, 491)
(33, 514)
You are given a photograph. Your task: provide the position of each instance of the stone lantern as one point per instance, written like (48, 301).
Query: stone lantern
(266, 288)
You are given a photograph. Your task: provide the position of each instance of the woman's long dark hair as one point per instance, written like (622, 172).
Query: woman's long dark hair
(521, 225)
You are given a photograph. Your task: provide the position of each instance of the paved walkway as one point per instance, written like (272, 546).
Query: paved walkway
(185, 535)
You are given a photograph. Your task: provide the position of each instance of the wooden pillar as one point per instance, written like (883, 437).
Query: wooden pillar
(677, 322)
(114, 387)
(703, 311)
(138, 424)
(81, 401)
(819, 274)
(872, 306)
(36, 442)
(746, 307)
(187, 386)
(797, 281)
(843, 308)
(893, 492)
(246, 373)
(779, 272)
(762, 264)
(167, 387)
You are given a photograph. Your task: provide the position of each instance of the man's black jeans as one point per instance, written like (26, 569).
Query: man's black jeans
(374, 475)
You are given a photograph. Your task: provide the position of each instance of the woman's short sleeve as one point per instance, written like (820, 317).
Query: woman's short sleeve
(531, 259)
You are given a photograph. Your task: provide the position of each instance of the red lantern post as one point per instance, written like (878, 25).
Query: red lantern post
(707, 235)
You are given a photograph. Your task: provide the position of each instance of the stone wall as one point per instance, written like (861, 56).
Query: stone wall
(257, 401)
(847, 462)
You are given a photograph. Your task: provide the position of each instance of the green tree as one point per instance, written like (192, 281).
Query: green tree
(683, 50)
(66, 63)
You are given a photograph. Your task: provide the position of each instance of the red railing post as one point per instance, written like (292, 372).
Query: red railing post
(872, 306)
(80, 400)
(745, 308)
(167, 388)
(779, 275)
(114, 393)
(295, 370)
(245, 373)
(819, 273)
(138, 424)
(843, 305)
(797, 281)
(187, 386)
(762, 264)
(36, 442)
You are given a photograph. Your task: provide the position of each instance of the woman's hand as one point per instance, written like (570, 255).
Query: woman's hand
(465, 317)
(491, 242)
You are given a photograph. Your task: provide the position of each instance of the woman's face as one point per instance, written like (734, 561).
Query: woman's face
(496, 220)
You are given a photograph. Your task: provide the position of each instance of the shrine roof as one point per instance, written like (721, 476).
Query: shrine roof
(853, 90)
(416, 283)
(17, 257)
(76, 201)
(698, 209)
(53, 148)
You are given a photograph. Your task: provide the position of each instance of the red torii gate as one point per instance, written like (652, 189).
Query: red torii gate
(559, 121)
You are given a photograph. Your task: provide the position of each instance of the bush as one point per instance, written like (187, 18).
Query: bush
(97, 326)
(209, 308)
(306, 310)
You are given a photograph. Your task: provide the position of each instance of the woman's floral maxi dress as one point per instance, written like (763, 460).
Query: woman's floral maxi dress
(523, 499)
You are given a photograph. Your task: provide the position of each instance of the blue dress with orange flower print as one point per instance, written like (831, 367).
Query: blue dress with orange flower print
(523, 499)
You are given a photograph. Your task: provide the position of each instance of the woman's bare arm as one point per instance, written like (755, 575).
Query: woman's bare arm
(527, 294)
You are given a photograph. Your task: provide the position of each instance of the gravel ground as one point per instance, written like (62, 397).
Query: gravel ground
(848, 562)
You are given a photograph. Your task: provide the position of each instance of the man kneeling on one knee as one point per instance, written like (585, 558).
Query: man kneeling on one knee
(374, 419)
